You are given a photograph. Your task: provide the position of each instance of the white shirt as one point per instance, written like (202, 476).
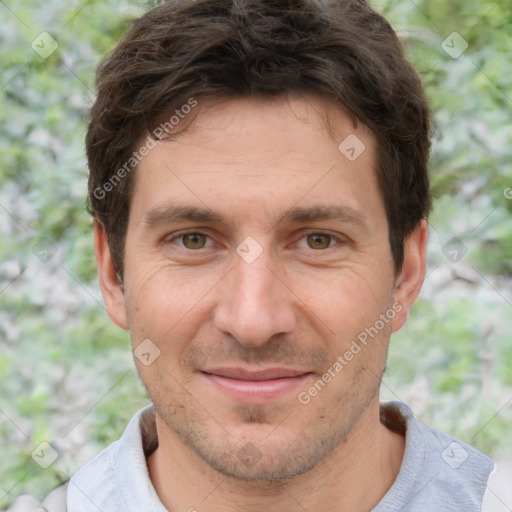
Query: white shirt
(438, 473)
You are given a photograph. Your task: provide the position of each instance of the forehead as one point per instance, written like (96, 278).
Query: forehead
(292, 114)
(270, 154)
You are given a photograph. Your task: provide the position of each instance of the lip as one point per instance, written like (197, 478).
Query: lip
(255, 386)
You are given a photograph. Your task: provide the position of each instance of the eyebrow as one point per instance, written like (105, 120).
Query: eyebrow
(325, 212)
(177, 213)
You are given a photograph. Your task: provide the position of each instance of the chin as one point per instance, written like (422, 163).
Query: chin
(270, 456)
(251, 464)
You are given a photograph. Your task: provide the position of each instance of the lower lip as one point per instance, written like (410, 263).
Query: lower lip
(256, 391)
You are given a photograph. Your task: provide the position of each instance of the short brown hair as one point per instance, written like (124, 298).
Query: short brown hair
(186, 49)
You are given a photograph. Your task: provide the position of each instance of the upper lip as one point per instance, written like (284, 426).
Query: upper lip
(244, 374)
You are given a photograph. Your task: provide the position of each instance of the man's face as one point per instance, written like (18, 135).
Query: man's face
(256, 253)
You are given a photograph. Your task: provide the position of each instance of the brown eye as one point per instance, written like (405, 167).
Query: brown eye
(319, 241)
(194, 240)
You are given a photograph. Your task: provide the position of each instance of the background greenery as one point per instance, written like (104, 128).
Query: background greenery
(66, 374)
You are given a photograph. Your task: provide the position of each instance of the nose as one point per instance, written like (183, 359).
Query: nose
(255, 302)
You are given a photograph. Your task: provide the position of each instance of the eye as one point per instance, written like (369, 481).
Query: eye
(193, 240)
(319, 241)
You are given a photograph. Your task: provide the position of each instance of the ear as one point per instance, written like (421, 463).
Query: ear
(408, 283)
(110, 286)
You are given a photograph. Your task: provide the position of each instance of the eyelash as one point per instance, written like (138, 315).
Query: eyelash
(333, 238)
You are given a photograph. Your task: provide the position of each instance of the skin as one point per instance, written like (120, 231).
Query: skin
(300, 304)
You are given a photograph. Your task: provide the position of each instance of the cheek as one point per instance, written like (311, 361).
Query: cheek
(164, 302)
(167, 290)
(345, 301)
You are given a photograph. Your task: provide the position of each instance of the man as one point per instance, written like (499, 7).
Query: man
(258, 182)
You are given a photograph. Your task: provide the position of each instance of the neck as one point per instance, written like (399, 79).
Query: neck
(355, 476)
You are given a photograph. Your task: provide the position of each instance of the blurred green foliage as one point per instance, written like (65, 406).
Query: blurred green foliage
(66, 373)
